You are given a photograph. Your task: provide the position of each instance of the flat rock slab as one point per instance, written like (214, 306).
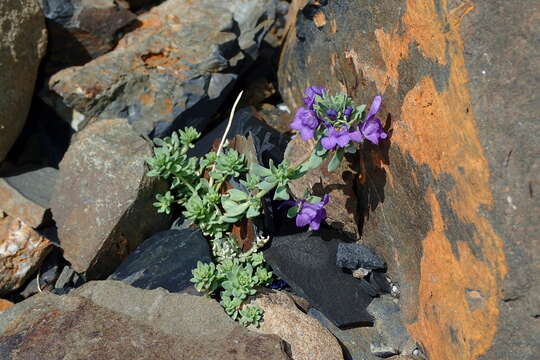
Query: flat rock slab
(112, 320)
(174, 70)
(354, 255)
(307, 262)
(22, 251)
(26, 195)
(23, 43)
(165, 260)
(103, 199)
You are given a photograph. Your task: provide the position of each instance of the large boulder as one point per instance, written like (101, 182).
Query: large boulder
(176, 68)
(103, 199)
(22, 44)
(449, 198)
(112, 320)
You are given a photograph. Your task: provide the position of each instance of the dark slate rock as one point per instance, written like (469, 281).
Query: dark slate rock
(306, 261)
(353, 256)
(165, 260)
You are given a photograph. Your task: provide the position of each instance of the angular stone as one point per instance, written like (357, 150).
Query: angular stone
(353, 256)
(103, 199)
(27, 195)
(48, 272)
(307, 338)
(175, 69)
(306, 261)
(165, 260)
(275, 117)
(143, 325)
(342, 210)
(81, 30)
(21, 252)
(448, 200)
(22, 45)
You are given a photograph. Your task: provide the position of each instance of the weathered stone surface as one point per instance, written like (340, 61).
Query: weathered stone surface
(21, 252)
(26, 195)
(174, 70)
(165, 260)
(22, 45)
(353, 256)
(81, 30)
(5, 304)
(48, 272)
(143, 325)
(307, 338)
(103, 199)
(342, 210)
(307, 263)
(275, 117)
(449, 198)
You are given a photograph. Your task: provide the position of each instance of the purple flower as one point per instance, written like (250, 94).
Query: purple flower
(311, 92)
(348, 111)
(306, 122)
(372, 128)
(312, 214)
(335, 138)
(331, 113)
(356, 135)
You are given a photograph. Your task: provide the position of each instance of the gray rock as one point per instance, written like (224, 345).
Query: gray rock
(103, 199)
(112, 320)
(22, 44)
(353, 256)
(65, 278)
(174, 70)
(165, 260)
(81, 30)
(382, 350)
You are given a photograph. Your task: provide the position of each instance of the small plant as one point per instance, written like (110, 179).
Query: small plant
(332, 123)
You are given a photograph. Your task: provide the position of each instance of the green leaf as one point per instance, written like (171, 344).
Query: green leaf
(252, 212)
(314, 199)
(237, 210)
(281, 193)
(292, 212)
(259, 170)
(265, 185)
(313, 162)
(237, 195)
(336, 161)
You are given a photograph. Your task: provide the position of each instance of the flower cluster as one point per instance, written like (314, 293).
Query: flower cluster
(335, 121)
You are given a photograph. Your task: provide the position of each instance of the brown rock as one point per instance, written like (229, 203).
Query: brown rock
(22, 45)
(21, 252)
(103, 199)
(342, 209)
(307, 338)
(449, 198)
(17, 203)
(177, 66)
(5, 304)
(81, 30)
(138, 324)
(275, 117)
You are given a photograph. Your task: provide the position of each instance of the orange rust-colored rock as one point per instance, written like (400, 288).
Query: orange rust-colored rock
(448, 199)
(21, 252)
(5, 304)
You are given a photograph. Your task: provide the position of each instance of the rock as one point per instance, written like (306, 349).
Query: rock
(22, 45)
(354, 341)
(275, 117)
(27, 195)
(382, 350)
(116, 321)
(103, 199)
(47, 274)
(307, 338)
(449, 199)
(165, 260)
(354, 256)
(342, 210)
(81, 30)
(389, 326)
(174, 70)
(22, 251)
(306, 261)
(5, 304)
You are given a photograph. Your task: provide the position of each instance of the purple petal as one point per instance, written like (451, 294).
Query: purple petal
(328, 142)
(314, 225)
(307, 133)
(325, 199)
(343, 140)
(372, 130)
(348, 111)
(302, 220)
(375, 105)
(356, 136)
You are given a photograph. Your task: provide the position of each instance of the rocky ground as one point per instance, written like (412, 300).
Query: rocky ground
(423, 255)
